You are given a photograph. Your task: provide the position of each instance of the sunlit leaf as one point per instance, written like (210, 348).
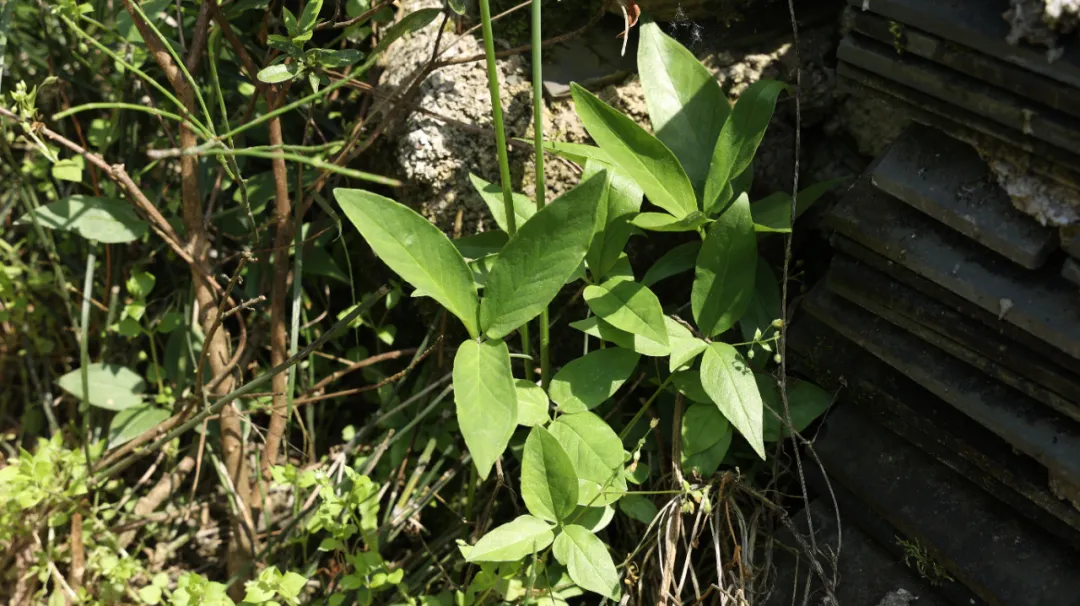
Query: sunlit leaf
(588, 381)
(112, 387)
(725, 271)
(549, 485)
(486, 400)
(731, 385)
(106, 220)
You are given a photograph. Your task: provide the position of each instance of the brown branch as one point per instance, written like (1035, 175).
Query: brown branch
(357, 19)
(78, 552)
(383, 357)
(160, 493)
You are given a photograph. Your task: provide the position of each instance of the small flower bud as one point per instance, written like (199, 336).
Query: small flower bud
(777, 358)
(750, 354)
(778, 323)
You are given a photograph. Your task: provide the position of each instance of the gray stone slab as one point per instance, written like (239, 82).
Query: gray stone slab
(946, 179)
(1039, 302)
(977, 24)
(1032, 428)
(975, 96)
(985, 546)
(1002, 74)
(1071, 271)
(592, 60)
(952, 332)
(1046, 160)
(898, 403)
(1070, 240)
(868, 573)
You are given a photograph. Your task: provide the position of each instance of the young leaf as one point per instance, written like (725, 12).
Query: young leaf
(622, 200)
(485, 399)
(765, 305)
(595, 327)
(535, 264)
(279, 72)
(628, 306)
(130, 423)
(458, 6)
(69, 169)
(674, 262)
(106, 220)
(730, 384)
(532, 404)
(806, 400)
(414, 248)
(725, 271)
(597, 455)
(524, 208)
(638, 507)
(337, 59)
(512, 542)
(665, 222)
(289, 19)
(309, 16)
(588, 381)
(549, 485)
(639, 155)
(741, 135)
(684, 345)
(406, 25)
(686, 104)
(587, 560)
(702, 427)
(112, 387)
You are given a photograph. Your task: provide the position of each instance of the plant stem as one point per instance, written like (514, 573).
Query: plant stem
(541, 185)
(644, 407)
(84, 351)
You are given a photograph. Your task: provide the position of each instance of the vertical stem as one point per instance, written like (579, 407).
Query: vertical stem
(500, 144)
(84, 349)
(541, 185)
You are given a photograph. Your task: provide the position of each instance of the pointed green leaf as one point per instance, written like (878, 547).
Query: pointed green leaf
(597, 455)
(688, 383)
(549, 484)
(686, 104)
(590, 380)
(406, 25)
(289, 19)
(622, 199)
(485, 399)
(578, 153)
(665, 222)
(279, 72)
(491, 194)
(639, 507)
(458, 6)
(639, 155)
(773, 213)
(587, 560)
(730, 384)
(765, 305)
(628, 306)
(337, 59)
(741, 135)
(414, 248)
(806, 400)
(595, 327)
(112, 387)
(69, 169)
(702, 427)
(684, 345)
(536, 262)
(512, 542)
(725, 271)
(483, 244)
(532, 404)
(706, 462)
(594, 519)
(674, 262)
(106, 220)
(130, 423)
(310, 15)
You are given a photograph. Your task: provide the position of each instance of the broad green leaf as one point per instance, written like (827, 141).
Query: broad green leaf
(684, 345)
(702, 427)
(69, 169)
(622, 199)
(594, 519)
(549, 485)
(483, 244)
(485, 399)
(414, 248)
(595, 327)
(337, 59)
(686, 104)
(597, 455)
(674, 262)
(536, 262)
(112, 387)
(140, 284)
(458, 6)
(639, 155)
(130, 423)
(665, 222)
(765, 305)
(532, 404)
(741, 135)
(688, 383)
(279, 72)
(310, 16)
(706, 462)
(806, 400)
(289, 19)
(587, 560)
(638, 507)
(590, 380)
(621, 269)
(773, 213)
(319, 262)
(578, 153)
(628, 306)
(406, 25)
(106, 220)
(513, 541)
(730, 384)
(725, 271)
(524, 208)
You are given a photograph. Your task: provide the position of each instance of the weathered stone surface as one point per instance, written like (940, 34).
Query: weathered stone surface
(1018, 367)
(1070, 240)
(1039, 302)
(868, 573)
(591, 60)
(895, 401)
(1071, 271)
(977, 24)
(1005, 75)
(947, 180)
(956, 88)
(984, 545)
(1033, 428)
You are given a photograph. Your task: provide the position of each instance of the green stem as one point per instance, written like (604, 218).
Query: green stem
(644, 407)
(541, 185)
(128, 106)
(84, 351)
(313, 162)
